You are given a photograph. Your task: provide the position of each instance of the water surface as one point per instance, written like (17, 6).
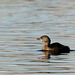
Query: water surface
(21, 22)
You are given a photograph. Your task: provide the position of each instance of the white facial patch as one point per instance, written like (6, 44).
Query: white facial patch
(41, 39)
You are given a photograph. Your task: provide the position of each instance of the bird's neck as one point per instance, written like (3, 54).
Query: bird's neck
(47, 44)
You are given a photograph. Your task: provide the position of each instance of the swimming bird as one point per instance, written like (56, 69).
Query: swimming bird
(53, 48)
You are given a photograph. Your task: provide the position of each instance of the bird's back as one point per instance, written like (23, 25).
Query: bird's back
(59, 48)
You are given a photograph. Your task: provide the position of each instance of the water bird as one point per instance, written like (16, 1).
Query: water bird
(52, 48)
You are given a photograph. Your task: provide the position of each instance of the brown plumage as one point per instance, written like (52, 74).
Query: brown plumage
(54, 48)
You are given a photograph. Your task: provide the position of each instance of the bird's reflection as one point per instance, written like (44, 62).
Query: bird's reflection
(48, 53)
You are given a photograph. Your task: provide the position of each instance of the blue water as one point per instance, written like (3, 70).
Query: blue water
(22, 22)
